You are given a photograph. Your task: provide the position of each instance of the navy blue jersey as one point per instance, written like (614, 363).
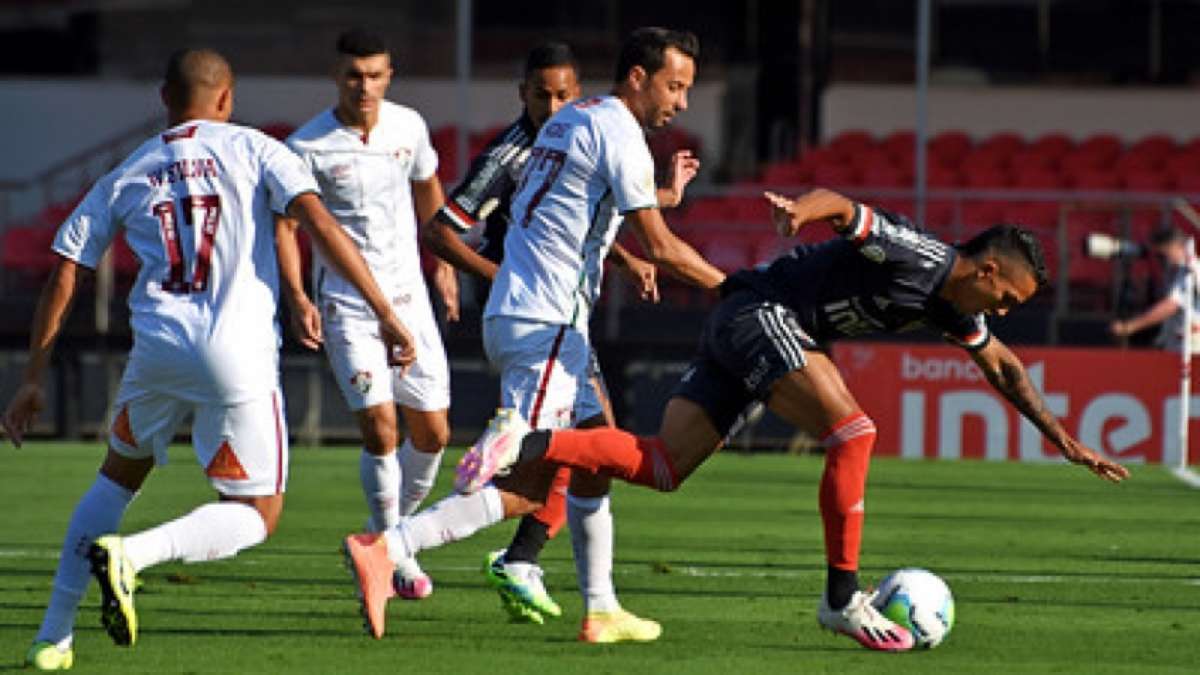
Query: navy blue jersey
(882, 276)
(485, 192)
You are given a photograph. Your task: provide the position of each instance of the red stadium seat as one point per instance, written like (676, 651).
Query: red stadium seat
(1104, 144)
(899, 143)
(26, 251)
(705, 211)
(1005, 143)
(786, 174)
(748, 210)
(987, 177)
(729, 250)
(983, 159)
(942, 177)
(1033, 159)
(949, 147)
(1038, 178)
(871, 157)
(1040, 216)
(851, 141)
(982, 213)
(1081, 160)
(836, 174)
(1155, 145)
(885, 176)
(1096, 179)
(1054, 143)
(1146, 180)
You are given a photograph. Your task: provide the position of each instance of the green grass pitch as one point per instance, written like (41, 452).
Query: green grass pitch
(1053, 572)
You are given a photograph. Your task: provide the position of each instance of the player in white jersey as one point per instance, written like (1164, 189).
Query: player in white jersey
(589, 171)
(374, 161)
(195, 205)
(551, 80)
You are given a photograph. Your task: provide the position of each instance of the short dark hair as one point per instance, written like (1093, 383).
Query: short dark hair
(550, 55)
(1166, 234)
(1013, 242)
(361, 42)
(189, 70)
(647, 46)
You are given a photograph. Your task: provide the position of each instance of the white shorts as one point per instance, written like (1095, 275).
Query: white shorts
(359, 361)
(243, 447)
(544, 371)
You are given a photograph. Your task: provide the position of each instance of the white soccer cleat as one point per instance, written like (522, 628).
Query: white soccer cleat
(862, 622)
(410, 582)
(496, 450)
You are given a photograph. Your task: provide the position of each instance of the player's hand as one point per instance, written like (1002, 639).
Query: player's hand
(399, 343)
(784, 217)
(22, 410)
(1119, 328)
(445, 281)
(683, 168)
(1078, 453)
(306, 323)
(644, 276)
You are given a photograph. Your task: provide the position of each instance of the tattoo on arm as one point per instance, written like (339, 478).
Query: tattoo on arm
(1011, 380)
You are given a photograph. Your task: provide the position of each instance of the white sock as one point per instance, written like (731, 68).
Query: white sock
(380, 477)
(591, 525)
(418, 471)
(455, 517)
(98, 512)
(211, 532)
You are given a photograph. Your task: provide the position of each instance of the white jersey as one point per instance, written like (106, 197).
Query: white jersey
(589, 165)
(366, 185)
(1170, 336)
(195, 204)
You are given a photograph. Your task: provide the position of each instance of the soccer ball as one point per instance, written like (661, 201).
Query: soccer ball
(920, 601)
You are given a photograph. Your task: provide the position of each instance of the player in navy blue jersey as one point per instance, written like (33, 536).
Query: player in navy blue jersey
(764, 342)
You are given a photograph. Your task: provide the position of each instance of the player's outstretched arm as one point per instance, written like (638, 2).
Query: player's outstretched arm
(670, 252)
(641, 273)
(1006, 373)
(789, 215)
(1156, 314)
(52, 310)
(306, 320)
(327, 234)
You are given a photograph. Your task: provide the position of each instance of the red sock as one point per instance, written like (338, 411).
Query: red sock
(847, 456)
(553, 513)
(633, 459)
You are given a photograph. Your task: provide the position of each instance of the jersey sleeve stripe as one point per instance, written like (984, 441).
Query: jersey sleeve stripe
(460, 218)
(864, 222)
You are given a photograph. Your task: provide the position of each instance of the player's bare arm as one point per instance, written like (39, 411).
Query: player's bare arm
(441, 236)
(428, 197)
(1158, 313)
(641, 273)
(683, 168)
(1006, 373)
(342, 253)
(52, 310)
(789, 215)
(305, 319)
(670, 252)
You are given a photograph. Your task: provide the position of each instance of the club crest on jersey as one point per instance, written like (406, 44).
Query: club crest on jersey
(340, 171)
(404, 155)
(361, 381)
(873, 253)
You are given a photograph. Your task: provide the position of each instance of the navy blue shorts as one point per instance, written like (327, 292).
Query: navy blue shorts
(747, 344)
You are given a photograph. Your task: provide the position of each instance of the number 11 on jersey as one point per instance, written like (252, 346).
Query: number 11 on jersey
(202, 209)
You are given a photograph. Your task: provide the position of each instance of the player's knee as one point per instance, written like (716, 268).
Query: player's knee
(380, 437)
(430, 440)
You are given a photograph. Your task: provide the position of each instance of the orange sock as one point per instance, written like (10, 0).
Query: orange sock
(553, 513)
(843, 485)
(633, 459)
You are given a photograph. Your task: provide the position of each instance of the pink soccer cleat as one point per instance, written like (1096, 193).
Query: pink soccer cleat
(367, 559)
(861, 621)
(496, 450)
